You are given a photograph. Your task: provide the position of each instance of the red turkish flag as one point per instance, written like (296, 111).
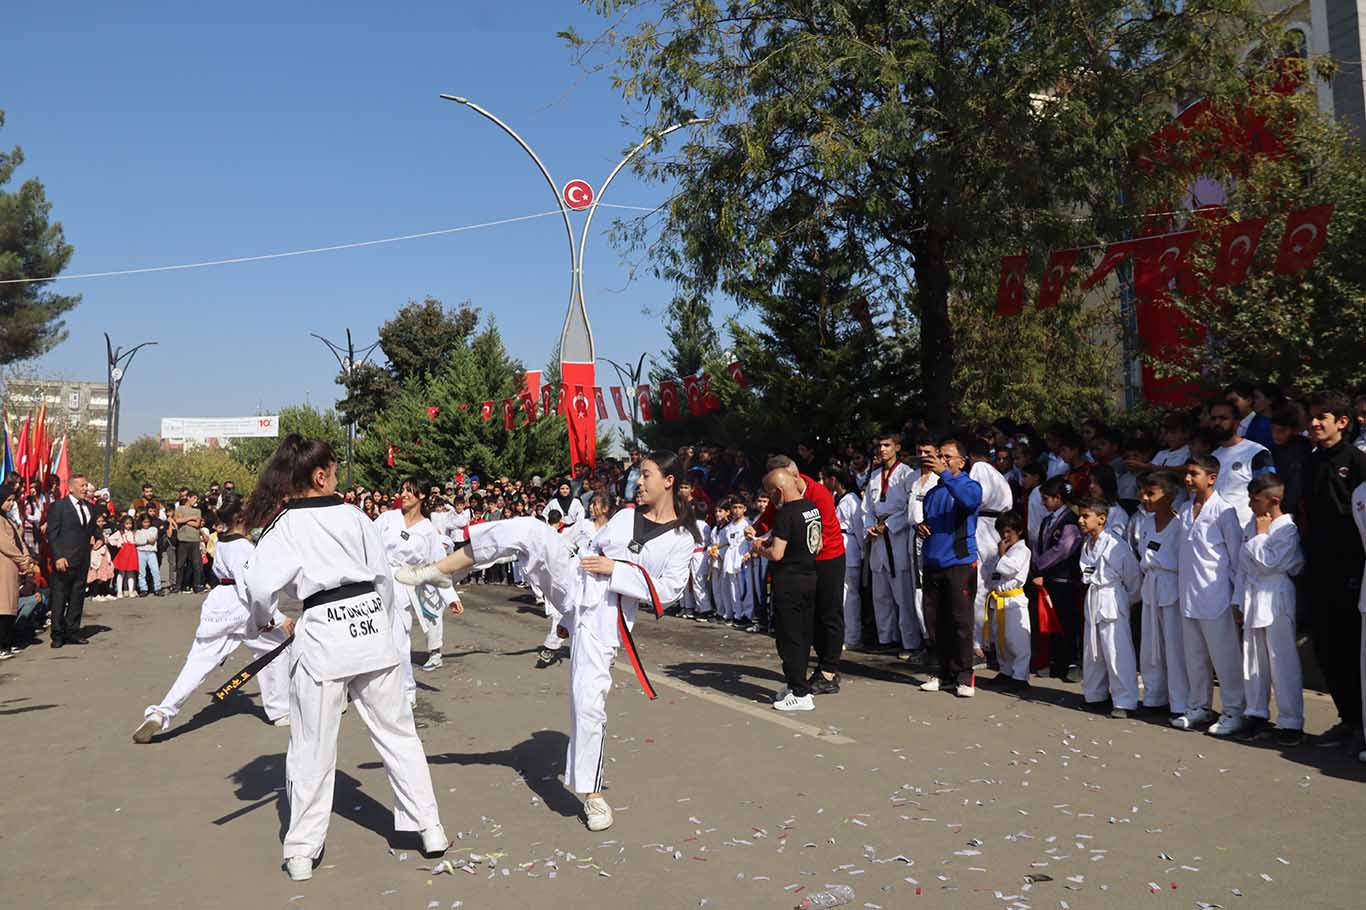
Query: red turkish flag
(1159, 260)
(509, 413)
(528, 401)
(486, 410)
(620, 401)
(547, 398)
(643, 394)
(710, 400)
(692, 390)
(562, 409)
(1010, 288)
(738, 375)
(600, 402)
(389, 458)
(1237, 244)
(581, 405)
(1305, 233)
(1115, 253)
(668, 400)
(1060, 264)
(432, 411)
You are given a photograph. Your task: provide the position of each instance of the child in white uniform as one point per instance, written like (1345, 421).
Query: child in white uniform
(737, 589)
(1111, 576)
(1211, 540)
(225, 624)
(1162, 654)
(716, 551)
(697, 595)
(1007, 608)
(849, 513)
(576, 538)
(328, 555)
(1270, 556)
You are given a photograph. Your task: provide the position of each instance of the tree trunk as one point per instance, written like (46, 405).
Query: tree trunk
(936, 339)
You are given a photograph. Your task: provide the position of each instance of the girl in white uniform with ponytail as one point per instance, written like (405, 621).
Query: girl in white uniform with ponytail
(225, 624)
(410, 539)
(576, 538)
(642, 556)
(328, 555)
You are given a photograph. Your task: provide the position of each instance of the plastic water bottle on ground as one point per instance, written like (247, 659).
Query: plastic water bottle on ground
(832, 896)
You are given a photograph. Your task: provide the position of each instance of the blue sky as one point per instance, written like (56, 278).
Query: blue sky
(168, 133)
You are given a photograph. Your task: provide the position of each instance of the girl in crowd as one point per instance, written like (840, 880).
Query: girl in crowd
(327, 555)
(577, 538)
(126, 559)
(642, 555)
(146, 539)
(225, 624)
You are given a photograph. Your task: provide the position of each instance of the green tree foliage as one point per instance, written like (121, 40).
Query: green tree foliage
(144, 461)
(305, 420)
(924, 135)
(31, 246)
(368, 389)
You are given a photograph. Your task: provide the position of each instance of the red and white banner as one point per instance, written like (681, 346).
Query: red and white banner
(692, 390)
(1010, 287)
(486, 410)
(668, 400)
(600, 402)
(1060, 264)
(737, 375)
(1237, 245)
(1305, 233)
(1158, 261)
(643, 396)
(619, 400)
(509, 413)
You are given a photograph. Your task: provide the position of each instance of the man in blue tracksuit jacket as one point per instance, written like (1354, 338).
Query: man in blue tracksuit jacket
(950, 556)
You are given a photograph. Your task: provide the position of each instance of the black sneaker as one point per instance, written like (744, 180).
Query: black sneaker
(819, 685)
(546, 658)
(1341, 734)
(1288, 739)
(1073, 674)
(1253, 728)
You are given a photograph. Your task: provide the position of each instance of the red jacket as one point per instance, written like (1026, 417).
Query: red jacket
(832, 538)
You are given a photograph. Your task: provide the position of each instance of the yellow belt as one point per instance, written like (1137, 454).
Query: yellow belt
(996, 606)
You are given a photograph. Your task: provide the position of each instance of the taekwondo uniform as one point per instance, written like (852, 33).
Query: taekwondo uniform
(576, 540)
(849, 514)
(331, 557)
(652, 567)
(570, 509)
(1112, 579)
(1238, 464)
(886, 499)
(1270, 656)
(413, 546)
(917, 488)
(225, 623)
(697, 595)
(1007, 609)
(1210, 545)
(736, 588)
(996, 501)
(1162, 657)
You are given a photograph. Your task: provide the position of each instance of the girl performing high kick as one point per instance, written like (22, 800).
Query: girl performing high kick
(329, 556)
(226, 622)
(641, 555)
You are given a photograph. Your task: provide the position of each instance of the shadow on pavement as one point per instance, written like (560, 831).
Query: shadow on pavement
(538, 760)
(732, 679)
(8, 711)
(210, 713)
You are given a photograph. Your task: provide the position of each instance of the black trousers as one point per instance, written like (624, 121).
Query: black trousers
(1065, 650)
(66, 591)
(1336, 634)
(794, 609)
(187, 563)
(827, 631)
(949, 618)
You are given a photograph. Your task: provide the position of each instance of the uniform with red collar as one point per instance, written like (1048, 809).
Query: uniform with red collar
(886, 500)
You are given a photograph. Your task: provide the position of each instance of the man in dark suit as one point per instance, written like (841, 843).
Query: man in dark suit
(70, 525)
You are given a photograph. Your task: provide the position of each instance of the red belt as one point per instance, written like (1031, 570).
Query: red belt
(226, 581)
(624, 632)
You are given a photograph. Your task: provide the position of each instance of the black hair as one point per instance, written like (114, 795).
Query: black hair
(1240, 387)
(888, 434)
(419, 486)
(1010, 521)
(1207, 463)
(840, 473)
(1112, 435)
(230, 512)
(1068, 437)
(1104, 475)
(670, 465)
(1288, 415)
(288, 473)
(1094, 505)
(1222, 403)
(1036, 468)
(1330, 401)
(1266, 483)
(978, 448)
(608, 500)
(1057, 486)
(1166, 480)
(554, 516)
(1179, 420)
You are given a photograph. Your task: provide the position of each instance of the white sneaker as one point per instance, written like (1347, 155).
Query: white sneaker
(1227, 724)
(7, 653)
(930, 685)
(433, 662)
(796, 703)
(150, 727)
(965, 691)
(300, 868)
(1193, 718)
(280, 721)
(425, 574)
(434, 840)
(599, 813)
(786, 691)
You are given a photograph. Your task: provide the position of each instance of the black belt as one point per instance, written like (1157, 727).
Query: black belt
(226, 581)
(345, 592)
(990, 513)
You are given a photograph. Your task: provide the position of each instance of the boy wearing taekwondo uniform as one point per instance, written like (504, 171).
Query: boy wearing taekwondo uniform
(1111, 575)
(1210, 541)
(642, 556)
(1162, 653)
(1007, 608)
(328, 555)
(886, 522)
(736, 586)
(996, 501)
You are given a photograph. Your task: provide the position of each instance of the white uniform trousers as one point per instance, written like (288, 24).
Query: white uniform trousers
(590, 679)
(988, 541)
(1270, 659)
(552, 636)
(311, 764)
(436, 635)
(537, 546)
(1213, 642)
(403, 643)
(208, 654)
(1012, 645)
(1109, 666)
(853, 606)
(895, 609)
(1162, 659)
(697, 596)
(736, 595)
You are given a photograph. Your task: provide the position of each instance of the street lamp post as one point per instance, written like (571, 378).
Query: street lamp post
(117, 363)
(346, 359)
(631, 376)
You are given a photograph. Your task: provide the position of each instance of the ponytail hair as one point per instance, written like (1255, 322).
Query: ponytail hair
(288, 473)
(230, 513)
(670, 466)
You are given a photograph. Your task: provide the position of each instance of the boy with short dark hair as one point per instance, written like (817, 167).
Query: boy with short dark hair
(1111, 576)
(1162, 654)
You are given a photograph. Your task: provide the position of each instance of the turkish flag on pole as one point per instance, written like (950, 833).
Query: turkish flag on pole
(583, 434)
(23, 464)
(1115, 253)
(531, 383)
(1159, 260)
(486, 410)
(528, 399)
(668, 400)
(1060, 264)
(710, 400)
(547, 399)
(61, 467)
(1237, 244)
(389, 458)
(600, 402)
(40, 453)
(738, 375)
(619, 400)
(643, 394)
(509, 413)
(1305, 233)
(692, 390)
(562, 408)
(1010, 289)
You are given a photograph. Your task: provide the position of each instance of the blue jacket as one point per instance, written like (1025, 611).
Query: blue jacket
(951, 513)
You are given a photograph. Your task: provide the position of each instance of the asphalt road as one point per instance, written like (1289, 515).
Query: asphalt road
(912, 799)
